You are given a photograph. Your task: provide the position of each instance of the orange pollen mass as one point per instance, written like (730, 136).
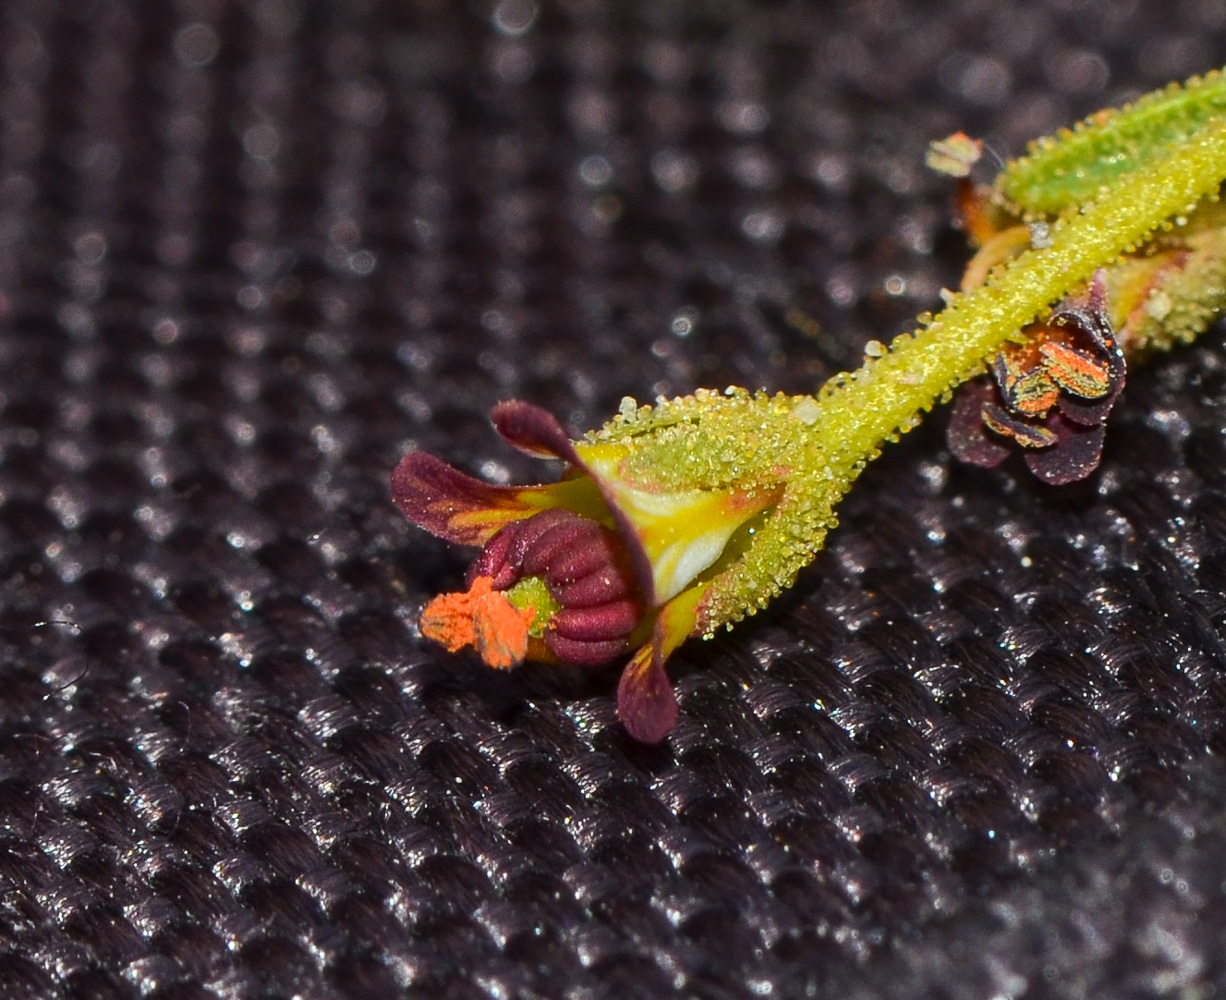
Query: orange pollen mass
(481, 617)
(1079, 373)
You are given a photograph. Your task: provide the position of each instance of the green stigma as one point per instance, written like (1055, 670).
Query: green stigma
(531, 592)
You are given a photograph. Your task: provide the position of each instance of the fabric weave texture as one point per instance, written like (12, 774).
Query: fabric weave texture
(253, 252)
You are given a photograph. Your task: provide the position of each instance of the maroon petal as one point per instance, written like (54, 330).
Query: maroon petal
(604, 585)
(615, 620)
(582, 561)
(1067, 444)
(1076, 454)
(966, 435)
(494, 560)
(1086, 414)
(558, 539)
(579, 653)
(447, 503)
(646, 703)
(527, 534)
(533, 431)
(554, 545)
(1090, 319)
(1088, 316)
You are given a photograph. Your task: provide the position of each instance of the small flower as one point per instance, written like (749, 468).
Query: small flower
(605, 562)
(1051, 394)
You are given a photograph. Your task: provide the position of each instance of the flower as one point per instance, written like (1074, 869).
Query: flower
(613, 559)
(1051, 394)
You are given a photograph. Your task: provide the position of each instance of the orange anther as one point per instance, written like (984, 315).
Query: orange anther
(1080, 374)
(501, 630)
(481, 617)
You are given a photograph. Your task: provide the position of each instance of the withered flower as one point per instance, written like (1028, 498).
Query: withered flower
(1050, 394)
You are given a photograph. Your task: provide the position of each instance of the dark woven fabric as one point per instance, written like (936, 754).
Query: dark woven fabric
(251, 253)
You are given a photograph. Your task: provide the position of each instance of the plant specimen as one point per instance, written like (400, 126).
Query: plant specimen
(681, 517)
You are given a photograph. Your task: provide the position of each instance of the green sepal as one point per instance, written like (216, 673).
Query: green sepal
(1072, 167)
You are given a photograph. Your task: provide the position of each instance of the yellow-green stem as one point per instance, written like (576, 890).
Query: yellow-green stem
(885, 395)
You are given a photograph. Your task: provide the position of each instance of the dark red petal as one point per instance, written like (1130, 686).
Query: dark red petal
(536, 556)
(591, 570)
(609, 583)
(1088, 415)
(1075, 455)
(447, 503)
(1067, 445)
(578, 653)
(614, 620)
(583, 560)
(1000, 371)
(966, 436)
(529, 532)
(646, 703)
(533, 430)
(494, 560)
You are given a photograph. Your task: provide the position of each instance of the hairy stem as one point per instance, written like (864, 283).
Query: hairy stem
(884, 397)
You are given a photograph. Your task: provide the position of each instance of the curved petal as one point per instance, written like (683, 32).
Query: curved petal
(966, 435)
(1089, 318)
(533, 430)
(447, 503)
(1076, 454)
(462, 509)
(646, 703)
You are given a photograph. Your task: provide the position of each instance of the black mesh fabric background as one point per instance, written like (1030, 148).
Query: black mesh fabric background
(251, 253)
